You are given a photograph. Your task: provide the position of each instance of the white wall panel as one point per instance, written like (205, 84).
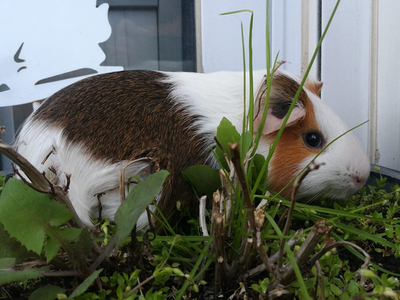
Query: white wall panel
(345, 65)
(286, 33)
(388, 93)
(221, 35)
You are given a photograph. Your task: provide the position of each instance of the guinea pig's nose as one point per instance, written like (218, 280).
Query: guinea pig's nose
(359, 179)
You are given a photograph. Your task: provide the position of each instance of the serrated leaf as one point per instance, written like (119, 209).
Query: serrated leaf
(26, 213)
(136, 201)
(226, 133)
(10, 247)
(7, 276)
(204, 179)
(85, 284)
(47, 293)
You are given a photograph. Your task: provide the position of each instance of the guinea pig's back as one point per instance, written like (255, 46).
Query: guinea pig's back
(93, 128)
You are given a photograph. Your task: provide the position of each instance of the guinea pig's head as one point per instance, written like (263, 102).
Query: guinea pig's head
(312, 125)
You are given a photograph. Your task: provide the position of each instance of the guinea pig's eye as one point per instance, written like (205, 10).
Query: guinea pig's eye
(313, 139)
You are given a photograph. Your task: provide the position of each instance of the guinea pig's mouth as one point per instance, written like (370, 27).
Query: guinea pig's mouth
(312, 190)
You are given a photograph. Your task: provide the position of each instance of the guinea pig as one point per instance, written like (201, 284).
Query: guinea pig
(94, 128)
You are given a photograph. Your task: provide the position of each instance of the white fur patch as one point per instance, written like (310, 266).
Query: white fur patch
(344, 160)
(90, 178)
(213, 96)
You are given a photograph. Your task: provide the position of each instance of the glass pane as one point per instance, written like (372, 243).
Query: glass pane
(156, 35)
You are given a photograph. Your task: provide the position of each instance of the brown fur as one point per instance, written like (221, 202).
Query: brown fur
(129, 115)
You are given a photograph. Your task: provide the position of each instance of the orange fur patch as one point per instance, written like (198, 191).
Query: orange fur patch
(291, 150)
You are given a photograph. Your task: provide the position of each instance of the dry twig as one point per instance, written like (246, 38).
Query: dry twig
(202, 216)
(319, 281)
(53, 150)
(122, 181)
(274, 258)
(286, 274)
(220, 251)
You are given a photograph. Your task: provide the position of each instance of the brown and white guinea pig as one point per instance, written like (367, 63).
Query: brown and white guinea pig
(95, 127)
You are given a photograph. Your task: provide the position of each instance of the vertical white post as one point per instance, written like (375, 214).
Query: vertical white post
(388, 81)
(309, 36)
(305, 35)
(199, 54)
(373, 114)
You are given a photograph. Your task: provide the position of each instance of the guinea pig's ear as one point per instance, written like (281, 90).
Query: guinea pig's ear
(274, 119)
(314, 86)
(283, 91)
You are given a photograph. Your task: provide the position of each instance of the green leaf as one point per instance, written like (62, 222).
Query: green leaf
(51, 248)
(135, 203)
(258, 162)
(47, 293)
(345, 296)
(26, 213)
(368, 274)
(7, 263)
(364, 234)
(226, 133)
(389, 231)
(348, 276)
(256, 288)
(85, 284)
(120, 293)
(7, 276)
(53, 243)
(353, 288)
(10, 247)
(335, 290)
(204, 179)
(84, 242)
(247, 141)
